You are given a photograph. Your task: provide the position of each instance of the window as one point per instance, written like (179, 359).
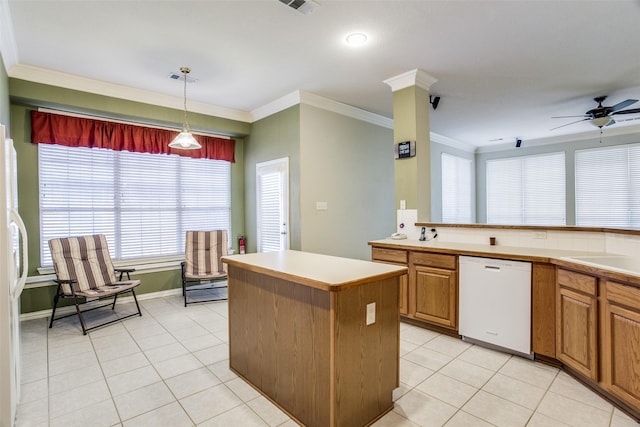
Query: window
(608, 186)
(526, 190)
(456, 190)
(143, 203)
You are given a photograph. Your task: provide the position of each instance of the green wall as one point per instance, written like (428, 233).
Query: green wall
(349, 164)
(271, 138)
(4, 95)
(26, 96)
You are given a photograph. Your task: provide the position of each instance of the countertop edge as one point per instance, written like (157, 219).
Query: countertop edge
(396, 271)
(565, 260)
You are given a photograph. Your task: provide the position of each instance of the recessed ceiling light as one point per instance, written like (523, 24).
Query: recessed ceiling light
(356, 39)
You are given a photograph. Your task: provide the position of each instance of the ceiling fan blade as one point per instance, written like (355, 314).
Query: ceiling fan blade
(630, 111)
(567, 124)
(612, 122)
(568, 117)
(623, 104)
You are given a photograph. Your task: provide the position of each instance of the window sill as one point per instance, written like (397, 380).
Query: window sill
(47, 274)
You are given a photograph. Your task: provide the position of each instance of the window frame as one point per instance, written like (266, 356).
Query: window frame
(115, 236)
(525, 191)
(621, 174)
(458, 161)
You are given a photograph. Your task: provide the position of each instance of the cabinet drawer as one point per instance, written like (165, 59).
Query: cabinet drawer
(394, 255)
(623, 294)
(577, 281)
(434, 260)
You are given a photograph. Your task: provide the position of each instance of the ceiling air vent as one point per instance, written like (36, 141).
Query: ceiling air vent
(303, 6)
(180, 77)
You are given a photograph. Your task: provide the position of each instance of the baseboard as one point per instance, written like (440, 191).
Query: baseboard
(121, 300)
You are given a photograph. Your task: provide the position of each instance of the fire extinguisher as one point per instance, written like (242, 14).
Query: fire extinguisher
(241, 244)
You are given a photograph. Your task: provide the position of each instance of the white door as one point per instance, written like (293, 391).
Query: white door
(272, 191)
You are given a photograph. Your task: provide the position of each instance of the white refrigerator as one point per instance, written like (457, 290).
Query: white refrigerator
(13, 272)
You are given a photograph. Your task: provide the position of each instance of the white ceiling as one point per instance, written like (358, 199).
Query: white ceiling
(504, 68)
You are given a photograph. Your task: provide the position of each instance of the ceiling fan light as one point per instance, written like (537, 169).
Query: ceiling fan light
(601, 121)
(185, 141)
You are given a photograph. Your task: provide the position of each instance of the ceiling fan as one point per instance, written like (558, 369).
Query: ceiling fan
(601, 115)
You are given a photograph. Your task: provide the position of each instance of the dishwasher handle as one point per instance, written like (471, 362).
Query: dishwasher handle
(492, 268)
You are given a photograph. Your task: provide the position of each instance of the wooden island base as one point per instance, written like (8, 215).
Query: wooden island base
(298, 333)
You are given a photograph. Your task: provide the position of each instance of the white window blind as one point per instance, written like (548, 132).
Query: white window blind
(270, 220)
(527, 190)
(608, 186)
(456, 189)
(272, 205)
(143, 203)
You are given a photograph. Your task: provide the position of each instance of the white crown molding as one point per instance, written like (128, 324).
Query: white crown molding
(8, 48)
(69, 81)
(445, 140)
(308, 98)
(561, 139)
(74, 82)
(318, 101)
(415, 77)
(276, 106)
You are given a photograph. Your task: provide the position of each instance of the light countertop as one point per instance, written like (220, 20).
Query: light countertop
(320, 271)
(595, 261)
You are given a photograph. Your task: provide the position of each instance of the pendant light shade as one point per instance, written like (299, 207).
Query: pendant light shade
(185, 140)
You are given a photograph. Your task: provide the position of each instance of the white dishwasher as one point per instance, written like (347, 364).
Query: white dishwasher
(495, 303)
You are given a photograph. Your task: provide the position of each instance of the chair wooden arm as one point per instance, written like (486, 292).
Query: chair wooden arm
(122, 271)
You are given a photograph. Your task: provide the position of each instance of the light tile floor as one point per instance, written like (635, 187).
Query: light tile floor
(170, 368)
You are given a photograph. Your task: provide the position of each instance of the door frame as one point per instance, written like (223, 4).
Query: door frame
(280, 165)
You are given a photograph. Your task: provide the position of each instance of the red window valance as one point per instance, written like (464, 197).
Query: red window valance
(48, 128)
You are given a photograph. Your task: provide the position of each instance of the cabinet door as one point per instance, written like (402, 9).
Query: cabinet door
(404, 287)
(404, 294)
(577, 331)
(436, 296)
(621, 342)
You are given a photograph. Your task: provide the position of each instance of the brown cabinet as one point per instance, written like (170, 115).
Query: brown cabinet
(395, 257)
(543, 309)
(621, 341)
(429, 293)
(577, 322)
(433, 288)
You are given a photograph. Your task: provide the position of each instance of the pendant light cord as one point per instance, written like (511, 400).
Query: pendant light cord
(185, 71)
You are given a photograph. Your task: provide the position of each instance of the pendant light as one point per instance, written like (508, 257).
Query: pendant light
(185, 140)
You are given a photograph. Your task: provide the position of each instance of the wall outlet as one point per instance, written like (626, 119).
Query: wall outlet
(539, 234)
(371, 313)
(403, 204)
(322, 206)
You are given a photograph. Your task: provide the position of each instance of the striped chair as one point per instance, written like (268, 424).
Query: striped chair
(84, 271)
(203, 273)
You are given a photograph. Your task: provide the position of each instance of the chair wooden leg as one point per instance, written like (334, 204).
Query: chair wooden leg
(184, 291)
(55, 305)
(84, 327)
(133, 292)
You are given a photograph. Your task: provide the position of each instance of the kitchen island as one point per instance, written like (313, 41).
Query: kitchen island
(315, 334)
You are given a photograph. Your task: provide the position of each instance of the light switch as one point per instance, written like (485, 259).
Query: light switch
(321, 206)
(403, 204)
(371, 313)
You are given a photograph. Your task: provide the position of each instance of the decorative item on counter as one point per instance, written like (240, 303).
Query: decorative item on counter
(423, 234)
(241, 244)
(492, 241)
